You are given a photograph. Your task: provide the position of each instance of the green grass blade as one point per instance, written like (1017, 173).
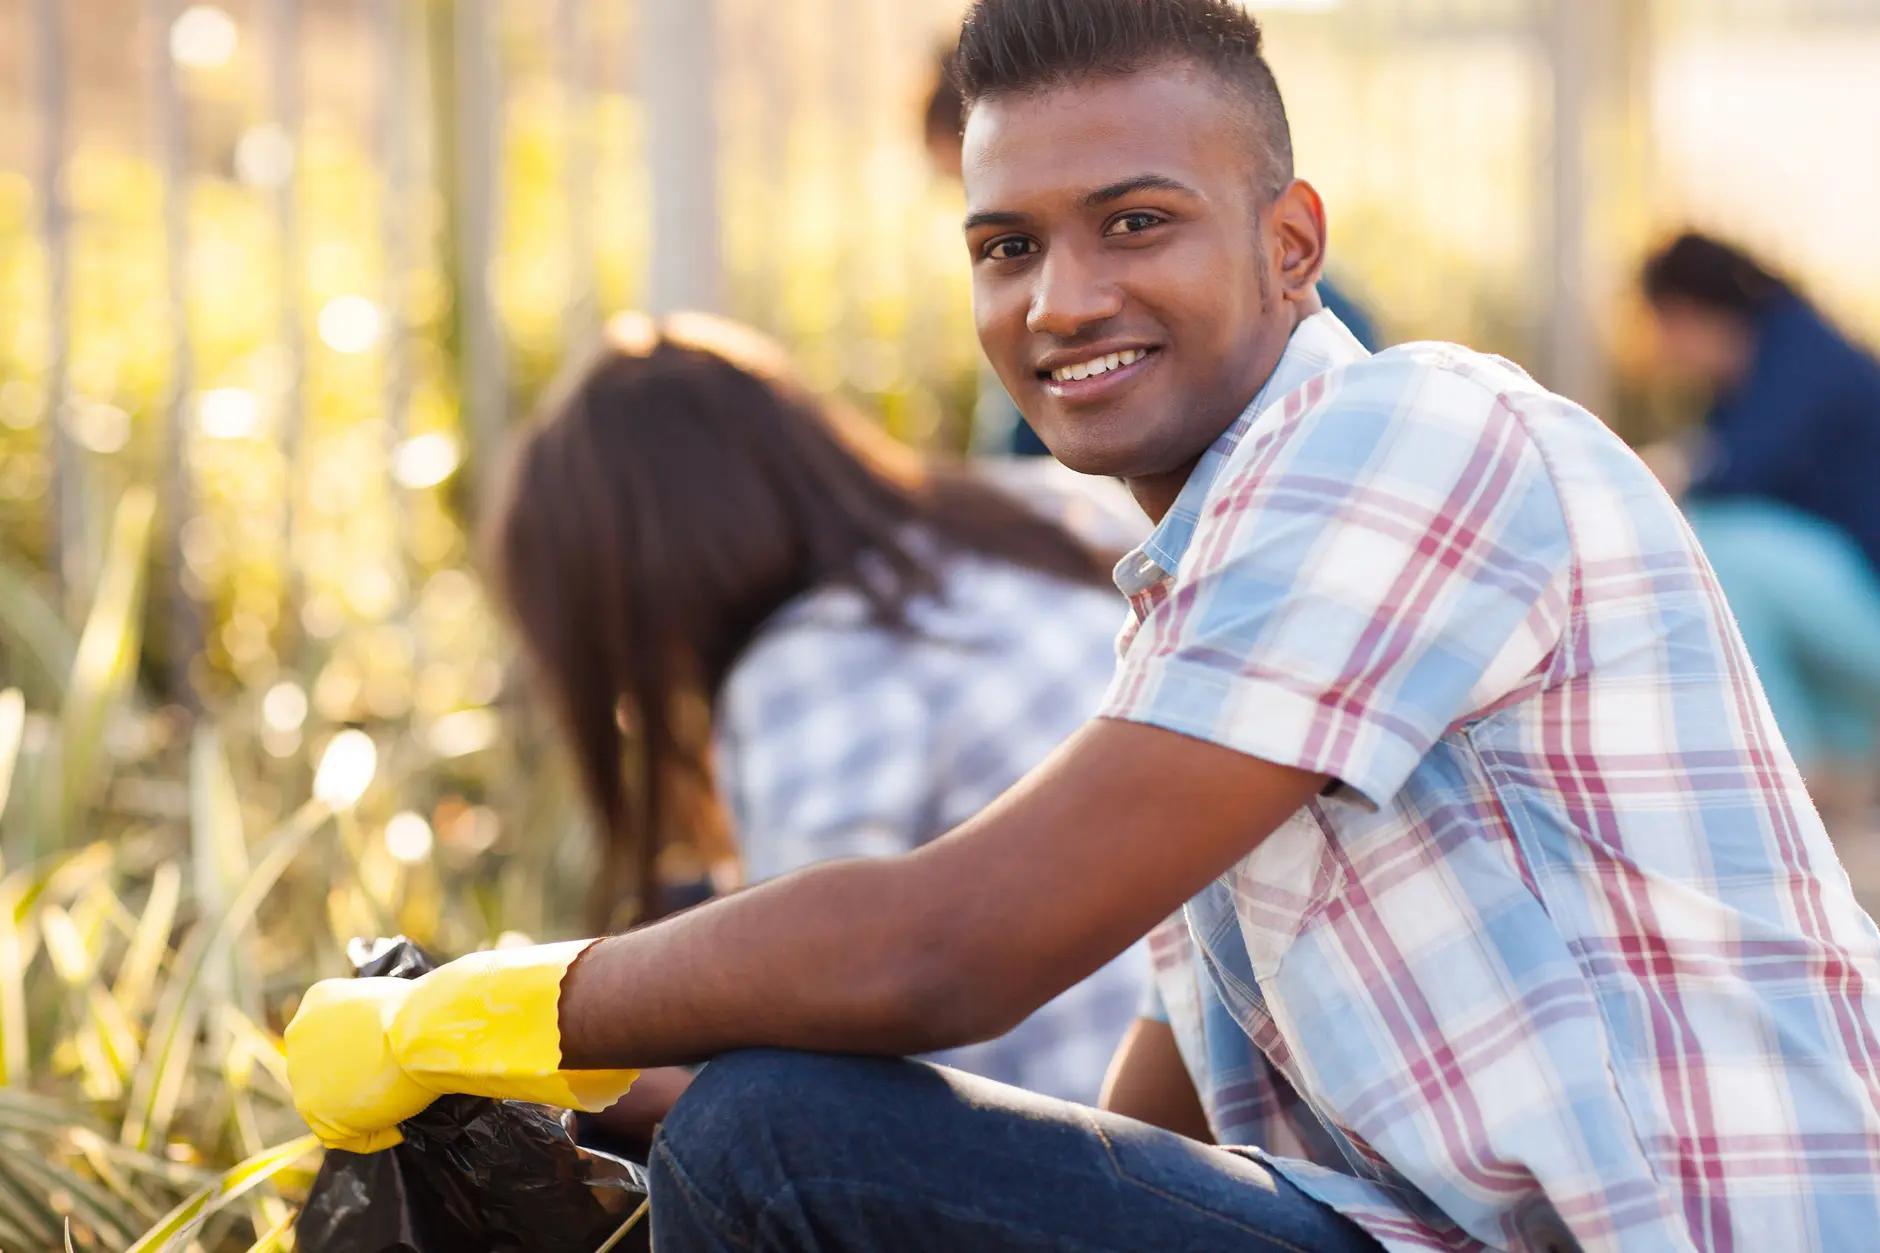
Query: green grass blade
(620, 1232)
(14, 1054)
(150, 942)
(105, 666)
(58, 878)
(179, 1011)
(219, 855)
(12, 731)
(277, 1238)
(23, 1211)
(176, 1228)
(61, 877)
(35, 632)
(89, 1203)
(96, 1151)
(161, 1172)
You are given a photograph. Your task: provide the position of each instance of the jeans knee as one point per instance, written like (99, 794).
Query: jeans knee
(755, 1099)
(739, 1093)
(751, 1121)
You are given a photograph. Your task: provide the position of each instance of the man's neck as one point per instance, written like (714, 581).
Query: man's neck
(1157, 492)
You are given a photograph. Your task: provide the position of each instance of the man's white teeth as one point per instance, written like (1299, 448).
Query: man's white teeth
(1097, 365)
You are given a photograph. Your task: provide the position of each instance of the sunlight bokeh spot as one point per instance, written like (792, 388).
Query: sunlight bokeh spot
(284, 708)
(425, 460)
(408, 837)
(264, 156)
(203, 37)
(350, 324)
(346, 769)
(228, 413)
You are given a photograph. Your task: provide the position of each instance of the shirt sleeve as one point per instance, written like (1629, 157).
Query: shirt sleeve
(823, 750)
(1380, 560)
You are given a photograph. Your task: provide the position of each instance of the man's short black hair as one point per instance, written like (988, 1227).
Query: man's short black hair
(1015, 46)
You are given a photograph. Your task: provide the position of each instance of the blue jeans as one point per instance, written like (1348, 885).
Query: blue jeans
(808, 1151)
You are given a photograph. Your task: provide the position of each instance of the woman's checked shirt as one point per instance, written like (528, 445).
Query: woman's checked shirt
(839, 737)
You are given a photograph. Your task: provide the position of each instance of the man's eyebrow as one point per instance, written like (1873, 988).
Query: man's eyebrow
(1141, 182)
(1101, 196)
(992, 217)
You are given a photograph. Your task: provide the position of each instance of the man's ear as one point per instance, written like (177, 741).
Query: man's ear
(1298, 230)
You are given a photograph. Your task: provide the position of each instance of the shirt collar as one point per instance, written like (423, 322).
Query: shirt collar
(1318, 344)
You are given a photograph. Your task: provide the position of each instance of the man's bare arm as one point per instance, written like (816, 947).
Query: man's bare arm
(952, 943)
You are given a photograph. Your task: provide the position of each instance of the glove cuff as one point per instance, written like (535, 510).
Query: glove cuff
(489, 1024)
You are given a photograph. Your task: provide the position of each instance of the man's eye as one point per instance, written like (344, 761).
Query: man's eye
(1009, 248)
(1133, 223)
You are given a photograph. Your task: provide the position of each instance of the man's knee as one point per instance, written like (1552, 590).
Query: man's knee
(740, 1090)
(754, 1121)
(759, 1110)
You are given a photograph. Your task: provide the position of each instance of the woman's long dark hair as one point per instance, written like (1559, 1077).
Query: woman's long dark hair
(1708, 272)
(680, 491)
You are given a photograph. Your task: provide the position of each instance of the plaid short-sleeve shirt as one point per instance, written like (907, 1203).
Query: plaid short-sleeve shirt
(1565, 960)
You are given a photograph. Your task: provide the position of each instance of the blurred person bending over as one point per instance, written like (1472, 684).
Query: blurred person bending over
(1784, 496)
(1489, 910)
(1794, 405)
(765, 622)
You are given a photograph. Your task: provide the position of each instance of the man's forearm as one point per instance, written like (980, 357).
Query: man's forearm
(841, 957)
(947, 945)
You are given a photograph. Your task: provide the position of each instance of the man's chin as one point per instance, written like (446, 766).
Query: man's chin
(1107, 462)
(1108, 453)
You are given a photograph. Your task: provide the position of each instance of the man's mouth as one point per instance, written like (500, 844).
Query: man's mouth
(1096, 375)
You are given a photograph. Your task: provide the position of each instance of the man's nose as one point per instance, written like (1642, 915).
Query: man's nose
(1071, 296)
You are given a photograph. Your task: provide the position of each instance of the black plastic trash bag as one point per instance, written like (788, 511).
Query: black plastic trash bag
(472, 1174)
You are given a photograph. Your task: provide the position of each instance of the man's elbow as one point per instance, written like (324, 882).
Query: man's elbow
(949, 991)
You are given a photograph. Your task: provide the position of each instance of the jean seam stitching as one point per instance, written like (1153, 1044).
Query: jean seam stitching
(851, 1187)
(1116, 1163)
(714, 1217)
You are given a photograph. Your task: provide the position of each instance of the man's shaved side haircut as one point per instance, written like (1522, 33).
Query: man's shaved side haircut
(1017, 46)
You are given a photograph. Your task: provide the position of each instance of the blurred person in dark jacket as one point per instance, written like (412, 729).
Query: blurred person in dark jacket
(1794, 412)
(1781, 492)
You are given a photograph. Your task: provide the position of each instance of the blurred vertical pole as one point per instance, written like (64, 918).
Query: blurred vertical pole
(66, 529)
(283, 44)
(396, 189)
(686, 269)
(177, 494)
(1574, 364)
(479, 145)
(573, 56)
(773, 65)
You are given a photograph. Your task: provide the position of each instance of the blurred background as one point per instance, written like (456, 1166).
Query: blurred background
(276, 277)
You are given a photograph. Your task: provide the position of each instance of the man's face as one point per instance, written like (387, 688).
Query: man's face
(1700, 347)
(1125, 284)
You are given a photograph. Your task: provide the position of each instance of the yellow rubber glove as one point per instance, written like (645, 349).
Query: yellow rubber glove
(347, 1084)
(487, 1024)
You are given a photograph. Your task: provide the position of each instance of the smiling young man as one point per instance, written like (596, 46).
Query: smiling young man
(1496, 914)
